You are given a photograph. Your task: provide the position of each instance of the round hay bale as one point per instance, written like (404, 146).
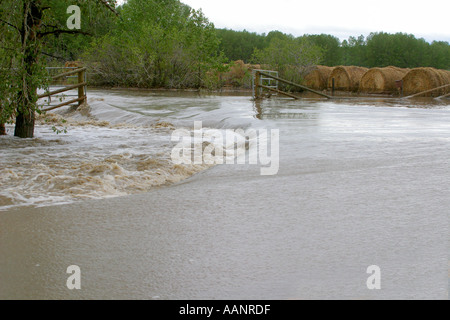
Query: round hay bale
(445, 79)
(423, 79)
(318, 78)
(237, 75)
(346, 78)
(382, 80)
(252, 67)
(238, 69)
(73, 64)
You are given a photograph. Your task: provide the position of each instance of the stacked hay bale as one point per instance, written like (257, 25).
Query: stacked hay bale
(382, 80)
(423, 79)
(318, 78)
(73, 64)
(346, 78)
(236, 73)
(252, 67)
(445, 79)
(239, 74)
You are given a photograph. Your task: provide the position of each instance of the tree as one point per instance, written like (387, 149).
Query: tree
(401, 50)
(157, 43)
(354, 51)
(291, 57)
(96, 22)
(4, 85)
(240, 45)
(332, 55)
(440, 54)
(25, 26)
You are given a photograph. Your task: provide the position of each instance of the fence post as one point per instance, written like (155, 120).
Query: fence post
(81, 89)
(257, 84)
(399, 84)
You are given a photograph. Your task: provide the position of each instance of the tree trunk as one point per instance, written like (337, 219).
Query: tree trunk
(24, 125)
(2, 129)
(25, 113)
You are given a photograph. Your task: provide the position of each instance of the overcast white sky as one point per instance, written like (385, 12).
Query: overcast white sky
(342, 18)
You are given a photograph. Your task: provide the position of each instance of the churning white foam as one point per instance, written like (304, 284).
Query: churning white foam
(92, 159)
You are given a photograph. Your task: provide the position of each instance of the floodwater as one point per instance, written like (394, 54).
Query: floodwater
(359, 183)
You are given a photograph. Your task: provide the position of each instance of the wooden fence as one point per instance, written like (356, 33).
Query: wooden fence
(258, 85)
(81, 86)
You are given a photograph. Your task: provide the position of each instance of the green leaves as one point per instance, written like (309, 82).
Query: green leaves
(401, 50)
(157, 43)
(59, 130)
(291, 57)
(27, 27)
(377, 50)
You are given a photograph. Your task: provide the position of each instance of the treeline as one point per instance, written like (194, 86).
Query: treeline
(155, 43)
(167, 44)
(377, 50)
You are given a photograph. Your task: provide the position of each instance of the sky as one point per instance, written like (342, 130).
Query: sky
(342, 18)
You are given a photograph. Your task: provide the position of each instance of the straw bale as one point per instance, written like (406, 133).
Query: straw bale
(347, 78)
(318, 78)
(445, 79)
(382, 80)
(73, 64)
(423, 79)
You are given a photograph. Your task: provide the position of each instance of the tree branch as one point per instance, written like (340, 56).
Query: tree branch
(105, 3)
(43, 34)
(5, 48)
(9, 24)
(52, 56)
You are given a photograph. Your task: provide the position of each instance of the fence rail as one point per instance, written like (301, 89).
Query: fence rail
(260, 82)
(81, 86)
(429, 91)
(259, 76)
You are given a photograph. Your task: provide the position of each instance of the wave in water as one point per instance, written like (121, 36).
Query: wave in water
(94, 159)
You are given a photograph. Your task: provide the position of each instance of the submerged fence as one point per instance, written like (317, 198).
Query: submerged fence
(74, 79)
(268, 80)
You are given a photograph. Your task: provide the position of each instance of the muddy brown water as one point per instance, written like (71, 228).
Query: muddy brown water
(360, 183)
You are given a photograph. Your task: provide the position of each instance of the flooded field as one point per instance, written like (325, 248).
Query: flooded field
(361, 182)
